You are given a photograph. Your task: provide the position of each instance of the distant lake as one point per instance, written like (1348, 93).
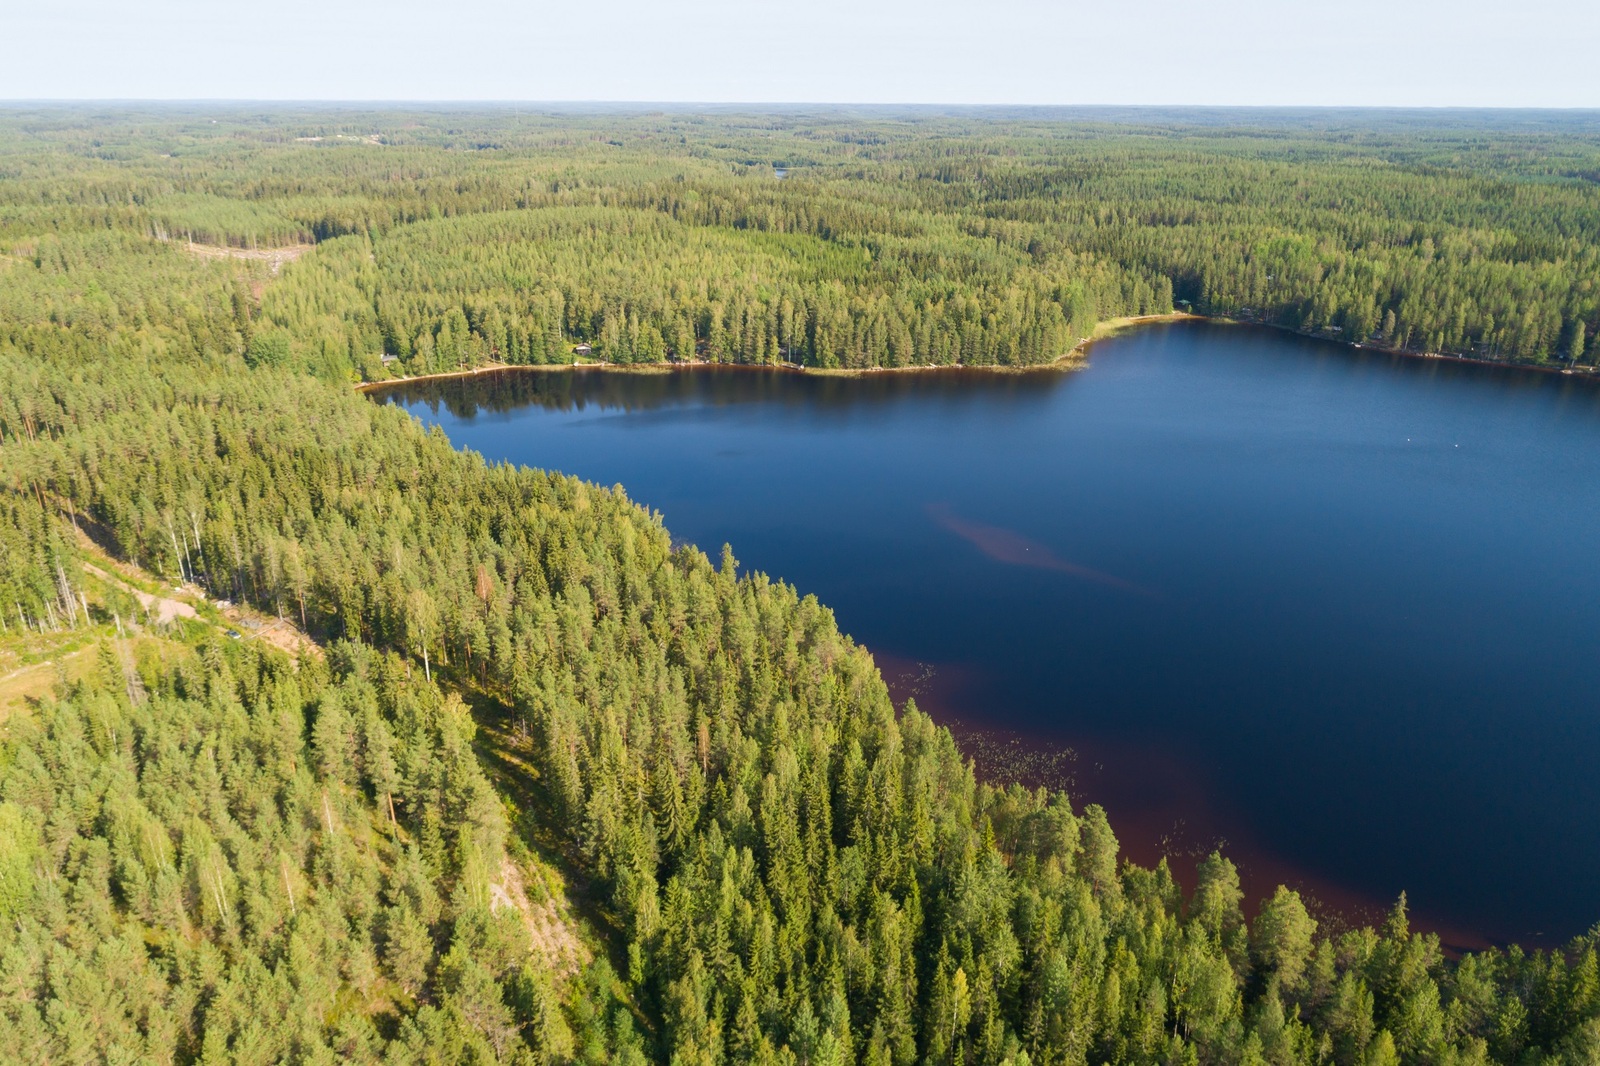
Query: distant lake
(1337, 609)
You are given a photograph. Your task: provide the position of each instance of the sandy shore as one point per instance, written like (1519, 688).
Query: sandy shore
(1071, 360)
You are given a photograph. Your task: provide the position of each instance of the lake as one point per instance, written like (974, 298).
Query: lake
(1336, 610)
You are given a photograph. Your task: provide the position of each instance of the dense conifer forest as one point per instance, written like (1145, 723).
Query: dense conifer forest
(551, 789)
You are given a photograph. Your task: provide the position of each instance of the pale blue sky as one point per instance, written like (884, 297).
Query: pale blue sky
(1383, 52)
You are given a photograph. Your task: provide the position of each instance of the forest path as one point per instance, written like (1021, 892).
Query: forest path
(163, 609)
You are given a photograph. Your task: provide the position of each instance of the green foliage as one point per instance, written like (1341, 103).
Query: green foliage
(268, 349)
(19, 850)
(35, 555)
(1282, 938)
(182, 880)
(783, 867)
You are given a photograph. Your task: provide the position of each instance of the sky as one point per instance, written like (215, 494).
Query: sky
(1429, 53)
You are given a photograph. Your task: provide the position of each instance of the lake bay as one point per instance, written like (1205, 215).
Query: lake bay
(1338, 611)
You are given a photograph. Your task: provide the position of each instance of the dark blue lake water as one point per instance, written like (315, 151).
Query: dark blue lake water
(1338, 609)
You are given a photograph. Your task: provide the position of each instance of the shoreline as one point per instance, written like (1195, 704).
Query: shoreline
(1116, 327)
(1071, 361)
(1591, 373)
(1074, 358)
(1180, 827)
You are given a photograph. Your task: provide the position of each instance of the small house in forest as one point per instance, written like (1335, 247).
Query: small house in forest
(581, 349)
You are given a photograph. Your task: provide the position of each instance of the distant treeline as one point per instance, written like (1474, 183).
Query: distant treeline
(451, 240)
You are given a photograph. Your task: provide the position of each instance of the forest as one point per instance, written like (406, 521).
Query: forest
(449, 241)
(553, 788)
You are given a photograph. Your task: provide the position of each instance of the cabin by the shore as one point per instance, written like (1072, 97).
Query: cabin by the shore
(581, 349)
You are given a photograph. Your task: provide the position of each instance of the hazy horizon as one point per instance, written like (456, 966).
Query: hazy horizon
(465, 103)
(1014, 53)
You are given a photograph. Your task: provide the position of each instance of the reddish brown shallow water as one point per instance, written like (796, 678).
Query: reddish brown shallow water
(1161, 804)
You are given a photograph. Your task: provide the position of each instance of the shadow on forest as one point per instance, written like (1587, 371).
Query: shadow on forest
(505, 751)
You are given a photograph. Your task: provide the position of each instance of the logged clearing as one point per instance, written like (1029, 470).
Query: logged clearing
(274, 258)
(28, 684)
(33, 663)
(249, 623)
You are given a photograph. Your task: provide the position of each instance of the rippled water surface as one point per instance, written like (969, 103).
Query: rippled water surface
(1338, 609)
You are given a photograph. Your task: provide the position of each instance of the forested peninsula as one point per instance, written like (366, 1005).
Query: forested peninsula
(325, 741)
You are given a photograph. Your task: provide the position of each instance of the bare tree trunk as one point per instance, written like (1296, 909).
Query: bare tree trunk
(69, 608)
(194, 522)
(174, 535)
(288, 886)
